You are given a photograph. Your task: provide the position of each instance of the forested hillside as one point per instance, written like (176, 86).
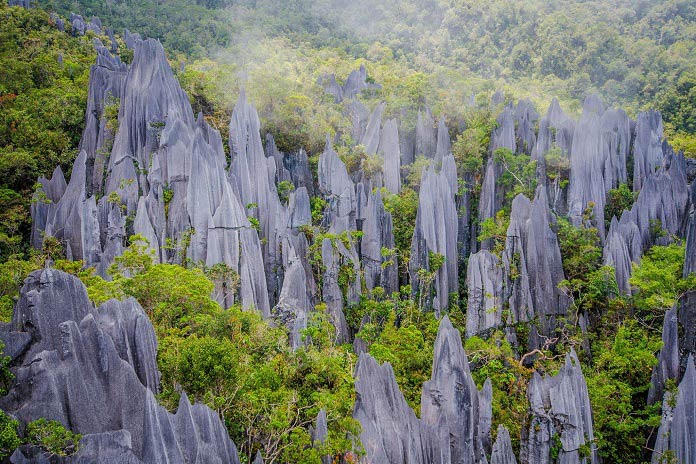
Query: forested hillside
(376, 232)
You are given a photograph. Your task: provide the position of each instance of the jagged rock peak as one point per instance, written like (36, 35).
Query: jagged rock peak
(668, 361)
(502, 449)
(677, 432)
(436, 234)
(94, 370)
(560, 409)
(450, 399)
(647, 147)
(391, 432)
(338, 189)
(389, 147)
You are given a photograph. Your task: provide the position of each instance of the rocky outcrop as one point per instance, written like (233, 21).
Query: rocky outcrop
(647, 147)
(587, 160)
(254, 177)
(94, 370)
(164, 178)
(677, 432)
(435, 234)
(379, 270)
(523, 282)
(659, 214)
(320, 433)
(426, 137)
(389, 147)
(687, 305)
(502, 449)
(484, 281)
(355, 83)
(451, 412)
(391, 433)
(450, 401)
(44, 204)
(668, 361)
(338, 190)
(492, 194)
(443, 146)
(560, 411)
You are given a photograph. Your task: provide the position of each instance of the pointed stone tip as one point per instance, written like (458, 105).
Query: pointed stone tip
(445, 323)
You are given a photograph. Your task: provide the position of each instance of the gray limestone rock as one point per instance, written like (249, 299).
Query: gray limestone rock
(377, 228)
(443, 146)
(94, 370)
(331, 291)
(391, 433)
(647, 147)
(677, 432)
(436, 233)
(389, 147)
(455, 416)
(320, 433)
(426, 138)
(255, 179)
(371, 138)
(668, 361)
(44, 204)
(450, 400)
(338, 189)
(484, 281)
(294, 305)
(560, 410)
(502, 449)
(587, 160)
(526, 118)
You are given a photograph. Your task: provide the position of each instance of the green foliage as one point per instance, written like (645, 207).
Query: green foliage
(285, 188)
(493, 358)
(618, 200)
(495, 229)
(471, 146)
(318, 205)
(9, 438)
(618, 381)
(42, 105)
(580, 248)
(409, 349)
(557, 165)
(404, 209)
(52, 437)
(519, 174)
(659, 279)
(6, 376)
(235, 362)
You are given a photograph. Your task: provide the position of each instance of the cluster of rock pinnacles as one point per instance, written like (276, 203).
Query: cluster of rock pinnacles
(162, 173)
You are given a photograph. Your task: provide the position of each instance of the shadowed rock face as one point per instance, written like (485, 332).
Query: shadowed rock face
(378, 234)
(560, 407)
(484, 281)
(663, 203)
(94, 370)
(587, 161)
(687, 305)
(668, 360)
(678, 427)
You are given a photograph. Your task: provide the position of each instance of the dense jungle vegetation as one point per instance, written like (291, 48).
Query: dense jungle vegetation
(637, 54)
